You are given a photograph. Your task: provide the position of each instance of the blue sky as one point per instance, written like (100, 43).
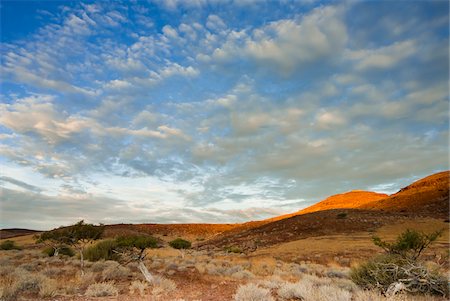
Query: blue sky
(215, 111)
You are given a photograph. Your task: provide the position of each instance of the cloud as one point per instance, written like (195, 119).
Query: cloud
(20, 184)
(384, 57)
(286, 45)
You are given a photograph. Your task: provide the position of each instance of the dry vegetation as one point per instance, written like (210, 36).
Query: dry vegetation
(197, 275)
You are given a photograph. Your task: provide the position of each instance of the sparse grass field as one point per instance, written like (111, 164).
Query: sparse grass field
(310, 269)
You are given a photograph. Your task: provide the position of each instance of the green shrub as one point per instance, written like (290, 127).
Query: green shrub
(103, 250)
(180, 243)
(341, 215)
(137, 241)
(399, 268)
(410, 244)
(62, 251)
(233, 249)
(9, 245)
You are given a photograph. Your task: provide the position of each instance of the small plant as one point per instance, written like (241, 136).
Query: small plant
(341, 215)
(289, 291)
(139, 286)
(399, 269)
(64, 250)
(102, 289)
(103, 250)
(9, 245)
(180, 243)
(115, 271)
(410, 244)
(252, 292)
(233, 249)
(163, 286)
(48, 288)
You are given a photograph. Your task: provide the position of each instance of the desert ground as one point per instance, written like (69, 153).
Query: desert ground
(303, 256)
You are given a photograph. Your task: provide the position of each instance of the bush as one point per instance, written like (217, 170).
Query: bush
(114, 271)
(102, 289)
(9, 245)
(180, 243)
(252, 292)
(399, 269)
(341, 215)
(103, 250)
(410, 244)
(139, 286)
(233, 249)
(387, 272)
(62, 251)
(163, 286)
(137, 241)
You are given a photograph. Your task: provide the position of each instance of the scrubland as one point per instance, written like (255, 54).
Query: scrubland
(29, 274)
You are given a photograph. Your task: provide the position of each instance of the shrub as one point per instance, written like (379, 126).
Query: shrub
(9, 245)
(114, 271)
(180, 243)
(252, 292)
(409, 244)
(103, 250)
(139, 286)
(48, 288)
(341, 215)
(137, 241)
(163, 285)
(62, 251)
(290, 291)
(233, 249)
(386, 271)
(243, 275)
(102, 289)
(399, 270)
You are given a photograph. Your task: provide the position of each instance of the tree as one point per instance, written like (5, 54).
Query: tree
(78, 236)
(55, 239)
(409, 244)
(82, 234)
(133, 249)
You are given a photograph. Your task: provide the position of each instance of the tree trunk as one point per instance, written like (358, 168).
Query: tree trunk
(56, 253)
(81, 262)
(181, 253)
(147, 275)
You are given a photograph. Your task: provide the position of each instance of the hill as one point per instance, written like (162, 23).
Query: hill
(15, 232)
(352, 199)
(345, 213)
(426, 197)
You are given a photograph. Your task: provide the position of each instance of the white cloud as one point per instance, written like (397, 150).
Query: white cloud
(384, 57)
(289, 44)
(215, 23)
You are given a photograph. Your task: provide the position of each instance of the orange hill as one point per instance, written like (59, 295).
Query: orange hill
(348, 200)
(428, 197)
(364, 211)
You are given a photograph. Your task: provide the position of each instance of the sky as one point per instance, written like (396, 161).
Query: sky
(215, 111)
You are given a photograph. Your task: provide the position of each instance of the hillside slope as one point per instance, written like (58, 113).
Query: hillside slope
(426, 197)
(352, 199)
(346, 213)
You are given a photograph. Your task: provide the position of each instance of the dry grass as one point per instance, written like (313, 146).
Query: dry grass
(139, 286)
(197, 276)
(102, 289)
(252, 292)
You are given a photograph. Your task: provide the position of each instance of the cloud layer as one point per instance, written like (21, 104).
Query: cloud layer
(174, 112)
